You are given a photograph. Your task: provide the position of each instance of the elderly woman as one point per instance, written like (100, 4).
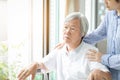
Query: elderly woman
(69, 62)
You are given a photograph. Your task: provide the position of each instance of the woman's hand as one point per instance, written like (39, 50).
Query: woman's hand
(59, 45)
(30, 70)
(99, 75)
(94, 55)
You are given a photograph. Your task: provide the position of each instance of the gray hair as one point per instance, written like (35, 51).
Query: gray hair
(83, 20)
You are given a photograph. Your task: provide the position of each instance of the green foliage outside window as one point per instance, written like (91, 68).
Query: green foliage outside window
(3, 61)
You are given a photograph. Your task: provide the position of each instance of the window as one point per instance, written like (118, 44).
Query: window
(27, 32)
(57, 15)
(94, 11)
(37, 30)
(19, 35)
(100, 12)
(33, 28)
(90, 13)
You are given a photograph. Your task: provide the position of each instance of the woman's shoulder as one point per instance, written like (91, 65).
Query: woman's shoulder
(89, 46)
(111, 12)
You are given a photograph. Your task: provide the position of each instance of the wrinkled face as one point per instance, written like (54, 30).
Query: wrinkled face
(72, 32)
(113, 5)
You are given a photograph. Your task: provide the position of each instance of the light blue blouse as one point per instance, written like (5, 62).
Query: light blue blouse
(110, 29)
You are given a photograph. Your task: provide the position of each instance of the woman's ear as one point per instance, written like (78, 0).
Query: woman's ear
(83, 34)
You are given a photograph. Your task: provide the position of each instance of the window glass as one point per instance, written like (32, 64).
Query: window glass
(100, 11)
(57, 14)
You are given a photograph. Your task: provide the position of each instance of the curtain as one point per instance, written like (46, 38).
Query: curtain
(72, 6)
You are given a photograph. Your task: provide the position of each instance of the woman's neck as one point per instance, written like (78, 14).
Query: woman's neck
(71, 47)
(118, 12)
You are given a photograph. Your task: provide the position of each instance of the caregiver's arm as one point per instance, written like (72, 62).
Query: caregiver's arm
(112, 61)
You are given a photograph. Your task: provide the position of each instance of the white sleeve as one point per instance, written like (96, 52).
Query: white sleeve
(97, 65)
(50, 60)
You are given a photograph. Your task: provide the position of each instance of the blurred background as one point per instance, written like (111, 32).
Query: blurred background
(29, 29)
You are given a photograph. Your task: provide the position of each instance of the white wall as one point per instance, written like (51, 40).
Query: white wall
(3, 20)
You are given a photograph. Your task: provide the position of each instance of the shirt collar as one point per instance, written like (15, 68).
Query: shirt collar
(75, 51)
(115, 14)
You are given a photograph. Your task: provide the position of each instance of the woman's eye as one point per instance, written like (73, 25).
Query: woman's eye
(72, 28)
(65, 27)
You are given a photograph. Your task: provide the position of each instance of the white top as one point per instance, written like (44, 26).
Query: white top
(74, 65)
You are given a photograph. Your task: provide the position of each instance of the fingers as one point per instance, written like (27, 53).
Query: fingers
(27, 71)
(95, 75)
(92, 50)
(59, 46)
(23, 74)
(20, 72)
(91, 55)
(33, 76)
(26, 74)
(107, 76)
(90, 77)
(104, 79)
(100, 75)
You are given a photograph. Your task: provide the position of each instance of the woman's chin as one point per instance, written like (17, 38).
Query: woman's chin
(67, 41)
